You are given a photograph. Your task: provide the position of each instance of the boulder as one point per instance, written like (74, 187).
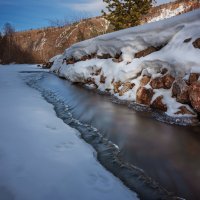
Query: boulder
(157, 83)
(145, 79)
(196, 43)
(168, 81)
(145, 52)
(104, 56)
(194, 95)
(193, 77)
(165, 82)
(102, 79)
(184, 111)
(90, 80)
(158, 104)
(144, 96)
(116, 86)
(126, 87)
(180, 90)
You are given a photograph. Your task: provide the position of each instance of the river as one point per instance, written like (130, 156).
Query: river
(167, 153)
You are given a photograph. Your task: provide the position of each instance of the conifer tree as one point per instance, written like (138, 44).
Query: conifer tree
(126, 13)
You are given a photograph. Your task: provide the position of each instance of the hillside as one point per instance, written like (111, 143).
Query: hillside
(37, 46)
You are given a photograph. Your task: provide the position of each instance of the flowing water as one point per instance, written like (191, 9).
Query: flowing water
(167, 153)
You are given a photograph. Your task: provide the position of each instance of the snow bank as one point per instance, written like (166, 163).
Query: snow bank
(41, 157)
(114, 58)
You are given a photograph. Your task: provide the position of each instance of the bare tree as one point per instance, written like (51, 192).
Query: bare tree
(8, 29)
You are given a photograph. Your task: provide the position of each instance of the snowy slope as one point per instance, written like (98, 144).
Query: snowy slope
(126, 56)
(41, 157)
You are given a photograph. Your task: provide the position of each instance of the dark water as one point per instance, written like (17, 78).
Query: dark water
(167, 153)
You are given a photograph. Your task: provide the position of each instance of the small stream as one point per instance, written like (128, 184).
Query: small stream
(167, 153)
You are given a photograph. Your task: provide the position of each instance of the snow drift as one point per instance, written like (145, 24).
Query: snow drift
(156, 64)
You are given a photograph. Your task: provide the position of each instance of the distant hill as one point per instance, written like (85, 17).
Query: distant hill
(37, 46)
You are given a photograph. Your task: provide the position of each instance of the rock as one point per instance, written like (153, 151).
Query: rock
(184, 111)
(102, 79)
(164, 71)
(97, 72)
(144, 96)
(70, 61)
(145, 52)
(168, 81)
(157, 83)
(104, 56)
(116, 86)
(165, 82)
(196, 43)
(193, 77)
(187, 40)
(194, 95)
(126, 87)
(47, 65)
(145, 79)
(180, 90)
(90, 80)
(117, 60)
(158, 104)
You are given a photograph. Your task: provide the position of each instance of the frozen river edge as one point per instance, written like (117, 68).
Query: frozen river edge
(107, 152)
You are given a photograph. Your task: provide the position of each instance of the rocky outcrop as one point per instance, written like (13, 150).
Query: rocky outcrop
(196, 43)
(180, 91)
(144, 96)
(165, 82)
(158, 104)
(126, 87)
(194, 95)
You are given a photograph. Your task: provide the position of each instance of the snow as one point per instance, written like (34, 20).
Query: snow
(177, 56)
(41, 157)
(167, 13)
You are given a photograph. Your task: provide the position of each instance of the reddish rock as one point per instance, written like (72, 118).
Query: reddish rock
(144, 96)
(193, 77)
(180, 90)
(158, 104)
(116, 86)
(102, 79)
(183, 111)
(194, 95)
(145, 52)
(168, 81)
(157, 83)
(117, 60)
(196, 43)
(126, 87)
(145, 79)
(162, 82)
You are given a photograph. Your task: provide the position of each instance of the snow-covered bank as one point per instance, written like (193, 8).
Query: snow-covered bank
(142, 64)
(41, 157)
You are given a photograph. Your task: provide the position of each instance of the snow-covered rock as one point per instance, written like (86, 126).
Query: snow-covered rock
(168, 50)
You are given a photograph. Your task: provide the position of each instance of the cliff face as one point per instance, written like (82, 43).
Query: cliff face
(36, 46)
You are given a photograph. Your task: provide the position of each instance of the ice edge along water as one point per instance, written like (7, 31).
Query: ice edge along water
(41, 157)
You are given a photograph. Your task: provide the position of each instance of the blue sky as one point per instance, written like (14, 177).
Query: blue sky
(26, 14)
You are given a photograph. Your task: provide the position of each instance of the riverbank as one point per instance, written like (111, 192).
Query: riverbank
(41, 157)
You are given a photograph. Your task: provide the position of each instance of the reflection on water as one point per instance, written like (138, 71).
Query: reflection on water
(167, 153)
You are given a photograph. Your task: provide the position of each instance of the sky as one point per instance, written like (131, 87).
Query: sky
(27, 14)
